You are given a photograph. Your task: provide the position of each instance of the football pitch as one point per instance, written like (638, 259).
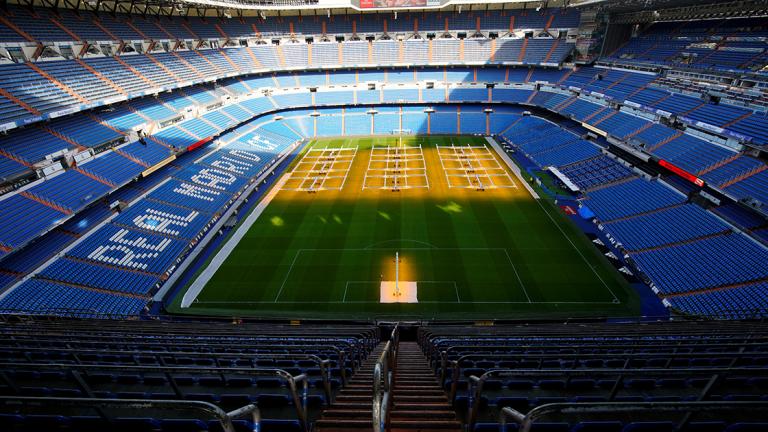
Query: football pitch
(471, 242)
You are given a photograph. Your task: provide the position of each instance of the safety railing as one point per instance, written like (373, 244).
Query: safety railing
(52, 314)
(80, 357)
(383, 381)
(456, 351)
(452, 357)
(732, 358)
(298, 395)
(685, 409)
(734, 333)
(714, 376)
(190, 345)
(208, 410)
(211, 325)
(435, 339)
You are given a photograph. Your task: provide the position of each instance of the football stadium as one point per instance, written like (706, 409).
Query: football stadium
(384, 215)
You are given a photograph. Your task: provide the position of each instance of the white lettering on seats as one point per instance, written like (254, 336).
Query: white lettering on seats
(245, 155)
(213, 178)
(126, 257)
(233, 165)
(160, 221)
(140, 242)
(196, 192)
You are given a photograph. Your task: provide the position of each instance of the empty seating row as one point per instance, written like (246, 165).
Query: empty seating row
(595, 171)
(525, 367)
(679, 44)
(629, 198)
(289, 372)
(81, 26)
(672, 225)
(123, 257)
(719, 261)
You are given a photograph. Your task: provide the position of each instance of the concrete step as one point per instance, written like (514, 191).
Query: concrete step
(358, 386)
(360, 382)
(402, 392)
(368, 392)
(417, 398)
(420, 429)
(365, 405)
(348, 413)
(442, 425)
(424, 414)
(347, 425)
(417, 378)
(342, 399)
(424, 406)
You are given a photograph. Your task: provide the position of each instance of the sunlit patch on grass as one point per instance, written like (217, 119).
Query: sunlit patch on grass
(450, 207)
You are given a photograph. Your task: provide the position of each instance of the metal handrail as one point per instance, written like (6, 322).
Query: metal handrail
(427, 336)
(525, 421)
(715, 374)
(212, 411)
(436, 352)
(58, 313)
(435, 349)
(455, 365)
(323, 364)
(299, 399)
(340, 353)
(449, 356)
(201, 327)
(384, 371)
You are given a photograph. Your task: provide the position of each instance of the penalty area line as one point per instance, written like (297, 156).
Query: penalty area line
(514, 268)
(615, 299)
(295, 257)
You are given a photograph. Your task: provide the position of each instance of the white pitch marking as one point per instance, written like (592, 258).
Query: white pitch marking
(514, 267)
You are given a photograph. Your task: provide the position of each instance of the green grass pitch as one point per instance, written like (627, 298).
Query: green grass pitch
(476, 254)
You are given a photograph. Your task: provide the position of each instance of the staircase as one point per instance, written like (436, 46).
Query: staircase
(418, 401)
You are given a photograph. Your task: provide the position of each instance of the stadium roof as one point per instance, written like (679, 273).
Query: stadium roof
(645, 9)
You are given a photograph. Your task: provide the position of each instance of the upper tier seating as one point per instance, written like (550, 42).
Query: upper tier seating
(53, 86)
(40, 25)
(716, 44)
